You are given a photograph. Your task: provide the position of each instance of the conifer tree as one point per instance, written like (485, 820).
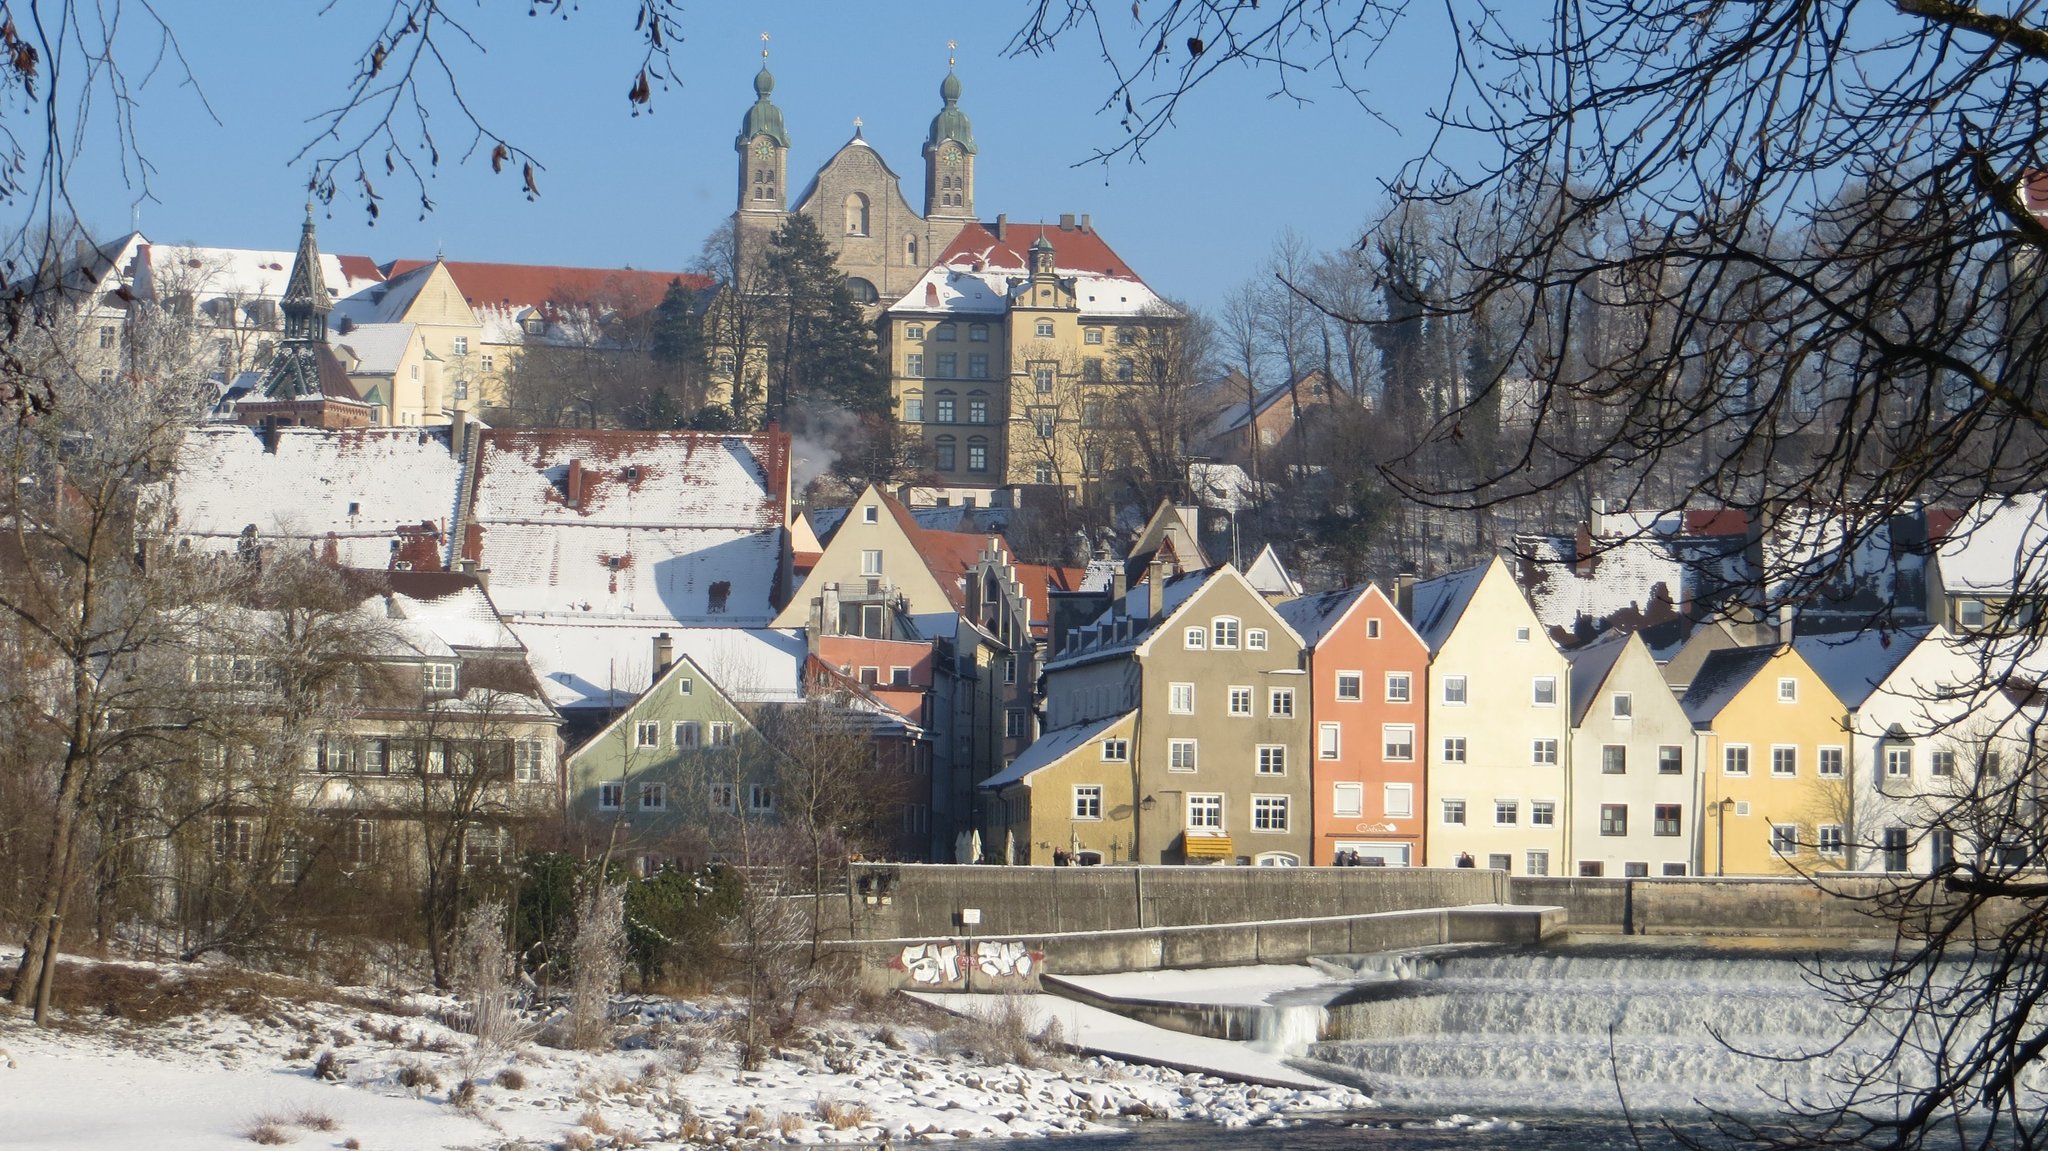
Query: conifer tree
(823, 351)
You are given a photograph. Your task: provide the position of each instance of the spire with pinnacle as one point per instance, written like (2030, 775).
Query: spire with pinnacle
(764, 118)
(294, 370)
(951, 123)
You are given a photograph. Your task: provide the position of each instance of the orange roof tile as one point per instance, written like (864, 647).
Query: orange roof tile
(627, 290)
(1074, 249)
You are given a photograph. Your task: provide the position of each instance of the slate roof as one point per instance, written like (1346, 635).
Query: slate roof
(357, 486)
(1590, 667)
(1721, 677)
(1853, 664)
(1314, 615)
(630, 291)
(1076, 250)
(1116, 632)
(668, 525)
(1050, 748)
(1439, 603)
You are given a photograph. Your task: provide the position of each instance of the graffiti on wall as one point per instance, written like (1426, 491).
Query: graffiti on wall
(946, 963)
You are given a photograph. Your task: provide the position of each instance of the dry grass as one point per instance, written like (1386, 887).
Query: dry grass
(266, 1131)
(844, 1115)
(417, 1078)
(594, 1122)
(150, 995)
(311, 1118)
(511, 1079)
(789, 1123)
(578, 1141)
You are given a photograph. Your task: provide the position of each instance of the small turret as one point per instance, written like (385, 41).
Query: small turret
(949, 154)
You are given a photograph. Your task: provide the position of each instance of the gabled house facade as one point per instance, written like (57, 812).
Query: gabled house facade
(1068, 796)
(1634, 787)
(1217, 680)
(1368, 676)
(1499, 722)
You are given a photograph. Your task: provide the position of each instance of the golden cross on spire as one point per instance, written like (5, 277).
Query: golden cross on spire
(856, 123)
(764, 47)
(950, 45)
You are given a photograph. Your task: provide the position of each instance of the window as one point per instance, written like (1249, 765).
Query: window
(1828, 839)
(331, 755)
(653, 797)
(1970, 613)
(943, 454)
(1784, 760)
(1788, 690)
(913, 364)
(721, 735)
(1269, 813)
(1506, 812)
(722, 797)
(1126, 371)
(1180, 698)
(1623, 705)
(1398, 687)
(1670, 760)
(688, 734)
(945, 408)
(1372, 627)
(609, 795)
(1614, 759)
(1667, 817)
(1205, 812)
(1280, 702)
(1272, 759)
(1180, 755)
(1088, 335)
(727, 364)
(1674, 870)
(107, 336)
(977, 333)
(1499, 861)
(439, 678)
(358, 843)
(646, 733)
(1013, 724)
(1240, 701)
(1614, 819)
(528, 759)
(1195, 639)
(1831, 762)
(1087, 801)
(871, 514)
(913, 331)
(1543, 752)
(1785, 838)
(1255, 639)
(1400, 800)
(1397, 742)
(1347, 800)
(1454, 749)
(977, 455)
(1329, 741)
(1350, 686)
(1454, 812)
(1043, 423)
(1041, 473)
(234, 840)
(1941, 763)
(1543, 691)
(1941, 844)
(760, 797)
(1091, 413)
(944, 333)
(913, 409)
(948, 364)
(1454, 690)
(1041, 381)
(1536, 863)
(1116, 751)
(977, 369)
(1223, 633)
(1043, 330)
(1735, 760)
(490, 362)
(1993, 762)
(1898, 762)
(1542, 813)
(1591, 869)
(871, 562)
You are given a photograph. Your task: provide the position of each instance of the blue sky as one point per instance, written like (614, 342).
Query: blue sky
(1195, 217)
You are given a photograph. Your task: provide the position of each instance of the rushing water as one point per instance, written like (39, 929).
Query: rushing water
(1581, 1027)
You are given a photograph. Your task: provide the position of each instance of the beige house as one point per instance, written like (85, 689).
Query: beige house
(1635, 779)
(1499, 724)
(1071, 791)
(444, 370)
(1219, 760)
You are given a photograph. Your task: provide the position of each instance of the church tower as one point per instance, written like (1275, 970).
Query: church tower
(763, 147)
(305, 384)
(949, 158)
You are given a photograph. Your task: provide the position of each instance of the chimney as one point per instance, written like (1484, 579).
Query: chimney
(458, 427)
(572, 486)
(828, 610)
(1599, 517)
(1002, 226)
(1404, 595)
(1583, 559)
(931, 295)
(1788, 617)
(1156, 575)
(268, 431)
(1084, 221)
(664, 654)
(1066, 221)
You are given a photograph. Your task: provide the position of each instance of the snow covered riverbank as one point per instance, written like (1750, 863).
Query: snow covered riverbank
(396, 1079)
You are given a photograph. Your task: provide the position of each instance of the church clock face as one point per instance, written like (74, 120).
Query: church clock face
(952, 159)
(764, 149)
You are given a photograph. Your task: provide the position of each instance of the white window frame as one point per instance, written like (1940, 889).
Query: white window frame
(1457, 692)
(1088, 802)
(1788, 689)
(760, 798)
(1400, 687)
(1395, 739)
(1832, 762)
(1729, 754)
(1399, 800)
(1543, 752)
(1195, 639)
(1347, 800)
(1828, 840)
(1447, 808)
(1234, 697)
(1116, 749)
(1280, 702)
(1543, 691)
(1542, 813)
(1784, 751)
(653, 796)
(1223, 633)
(1180, 698)
(1205, 804)
(610, 794)
(1622, 705)
(1265, 809)
(1255, 639)
(1898, 763)
(1784, 839)
(646, 734)
(1456, 750)
(1329, 741)
(1507, 813)
(1271, 760)
(871, 563)
(1177, 761)
(1355, 680)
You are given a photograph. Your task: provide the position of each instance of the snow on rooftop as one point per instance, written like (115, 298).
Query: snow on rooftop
(956, 289)
(609, 663)
(1997, 546)
(1051, 747)
(357, 485)
(377, 348)
(1852, 664)
(1626, 583)
(1439, 604)
(1124, 624)
(242, 274)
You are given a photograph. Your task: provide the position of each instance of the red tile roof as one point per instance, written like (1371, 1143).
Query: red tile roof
(1075, 249)
(1716, 522)
(360, 268)
(532, 285)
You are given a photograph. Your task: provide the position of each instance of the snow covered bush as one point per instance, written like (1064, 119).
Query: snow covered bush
(596, 957)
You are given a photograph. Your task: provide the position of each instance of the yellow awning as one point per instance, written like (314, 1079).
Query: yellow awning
(1206, 846)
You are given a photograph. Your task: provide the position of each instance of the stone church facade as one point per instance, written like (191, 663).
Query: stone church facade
(883, 244)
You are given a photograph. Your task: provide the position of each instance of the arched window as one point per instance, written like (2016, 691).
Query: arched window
(1223, 632)
(977, 454)
(942, 453)
(856, 214)
(910, 250)
(863, 292)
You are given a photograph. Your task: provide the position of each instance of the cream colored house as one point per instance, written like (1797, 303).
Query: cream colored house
(1634, 766)
(1499, 725)
(447, 371)
(1070, 791)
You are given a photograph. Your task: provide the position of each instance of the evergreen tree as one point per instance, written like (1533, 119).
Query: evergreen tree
(823, 351)
(676, 343)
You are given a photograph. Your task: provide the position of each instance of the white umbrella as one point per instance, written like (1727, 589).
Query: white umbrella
(1010, 848)
(974, 847)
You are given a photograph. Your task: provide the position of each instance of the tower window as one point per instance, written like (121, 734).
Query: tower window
(856, 214)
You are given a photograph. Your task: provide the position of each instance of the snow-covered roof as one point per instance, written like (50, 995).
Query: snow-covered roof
(453, 606)
(1269, 575)
(1050, 748)
(1853, 664)
(1314, 615)
(609, 663)
(356, 486)
(380, 303)
(1997, 546)
(1439, 603)
(1126, 623)
(956, 291)
(1722, 675)
(1627, 583)
(378, 349)
(677, 527)
(242, 274)
(1225, 487)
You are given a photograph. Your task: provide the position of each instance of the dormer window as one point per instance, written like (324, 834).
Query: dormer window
(632, 474)
(438, 678)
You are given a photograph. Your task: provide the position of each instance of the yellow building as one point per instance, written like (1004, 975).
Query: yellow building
(1774, 762)
(1070, 791)
(1009, 359)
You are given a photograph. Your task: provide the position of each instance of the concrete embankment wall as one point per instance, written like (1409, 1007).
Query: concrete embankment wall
(909, 901)
(1845, 906)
